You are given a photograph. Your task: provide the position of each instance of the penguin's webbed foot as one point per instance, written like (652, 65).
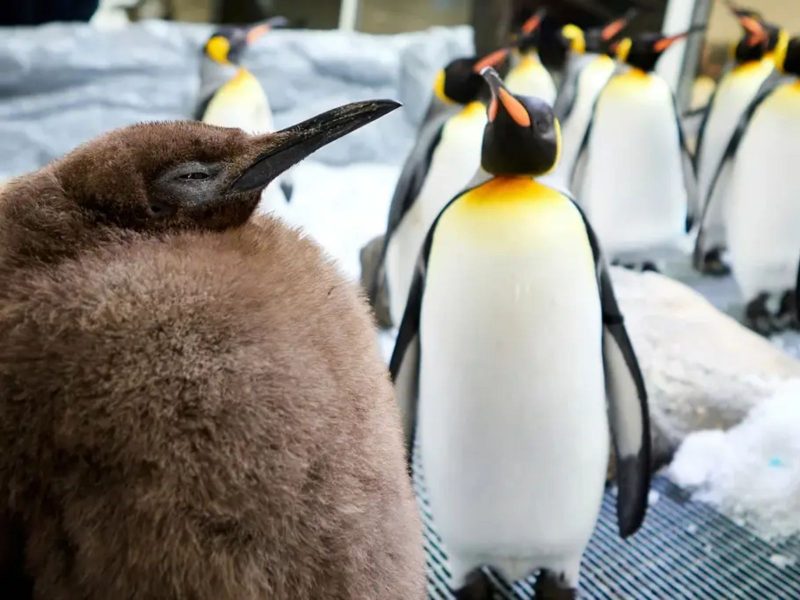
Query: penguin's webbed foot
(714, 264)
(554, 586)
(640, 267)
(477, 587)
(762, 318)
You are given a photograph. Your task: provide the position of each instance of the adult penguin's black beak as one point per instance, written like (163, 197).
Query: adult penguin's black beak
(276, 152)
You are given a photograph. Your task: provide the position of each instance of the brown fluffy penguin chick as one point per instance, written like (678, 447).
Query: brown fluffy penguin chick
(192, 405)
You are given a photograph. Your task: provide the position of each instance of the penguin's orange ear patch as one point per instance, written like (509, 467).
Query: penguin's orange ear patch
(514, 108)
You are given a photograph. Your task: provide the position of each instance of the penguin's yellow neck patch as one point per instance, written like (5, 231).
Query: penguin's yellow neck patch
(473, 110)
(500, 190)
(218, 48)
(510, 214)
(752, 67)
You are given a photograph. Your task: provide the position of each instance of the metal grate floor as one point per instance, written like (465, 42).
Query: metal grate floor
(684, 550)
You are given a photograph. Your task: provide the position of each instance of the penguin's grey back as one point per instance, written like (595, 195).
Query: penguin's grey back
(202, 416)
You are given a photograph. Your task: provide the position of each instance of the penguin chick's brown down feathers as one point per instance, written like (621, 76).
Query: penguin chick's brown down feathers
(192, 405)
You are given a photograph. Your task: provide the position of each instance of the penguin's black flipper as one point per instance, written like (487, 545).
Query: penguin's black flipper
(689, 172)
(287, 187)
(201, 109)
(412, 177)
(404, 364)
(730, 151)
(627, 398)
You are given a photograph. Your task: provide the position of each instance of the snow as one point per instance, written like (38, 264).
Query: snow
(342, 209)
(751, 472)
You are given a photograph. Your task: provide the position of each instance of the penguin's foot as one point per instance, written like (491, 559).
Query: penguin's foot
(769, 314)
(787, 313)
(554, 586)
(477, 587)
(641, 267)
(714, 264)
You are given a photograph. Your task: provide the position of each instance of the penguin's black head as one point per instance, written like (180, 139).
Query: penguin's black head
(788, 60)
(522, 136)
(460, 81)
(755, 35)
(227, 44)
(644, 50)
(163, 177)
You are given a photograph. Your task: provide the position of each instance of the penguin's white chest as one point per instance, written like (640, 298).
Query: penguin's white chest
(764, 218)
(454, 163)
(734, 95)
(530, 78)
(241, 103)
(512, 416)
(633, 189)
(591, 80)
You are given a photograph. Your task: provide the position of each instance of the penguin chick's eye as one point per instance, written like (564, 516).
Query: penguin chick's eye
(195, 175)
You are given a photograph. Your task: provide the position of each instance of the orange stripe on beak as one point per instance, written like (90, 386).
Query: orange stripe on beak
(491, 60)
(514, 108)
(756, 32)
(532, 24)
(257, 31)
(612, 29)
(666, 42)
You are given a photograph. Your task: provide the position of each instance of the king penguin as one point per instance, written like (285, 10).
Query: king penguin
(231, 96)
(634, 174)
(445, 158)
(590, 65)
(753, 71)
(528, 76)
(763, 215)
(510, 344)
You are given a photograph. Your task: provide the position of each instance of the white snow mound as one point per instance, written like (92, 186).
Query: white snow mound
(752, 471)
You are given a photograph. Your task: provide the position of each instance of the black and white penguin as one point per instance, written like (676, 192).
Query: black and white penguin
(589, 67)
(763, 216)
(445, 158)
(634, 175)
(231, 96)
(753, 72)
(510, 344)
(528, 76)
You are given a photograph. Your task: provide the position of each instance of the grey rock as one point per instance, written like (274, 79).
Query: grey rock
(62, 84)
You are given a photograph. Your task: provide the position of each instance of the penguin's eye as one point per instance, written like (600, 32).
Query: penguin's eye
(195, 175)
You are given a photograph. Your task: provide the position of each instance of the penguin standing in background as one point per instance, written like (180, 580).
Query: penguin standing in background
(752, 72)
(192, 401)
(763, 216)
(445, 158)
(528, 76)
(634, 175)
(510, 344)
(589, 67)
(231, 96)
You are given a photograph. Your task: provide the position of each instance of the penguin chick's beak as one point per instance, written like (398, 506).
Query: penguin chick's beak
(501, 97)
(298, 141)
